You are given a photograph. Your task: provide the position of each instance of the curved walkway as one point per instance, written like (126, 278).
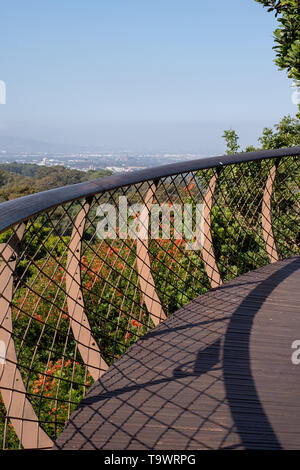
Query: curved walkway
(217, 374)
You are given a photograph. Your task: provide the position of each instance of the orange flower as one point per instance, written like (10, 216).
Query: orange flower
(126, 337)
(189, 187)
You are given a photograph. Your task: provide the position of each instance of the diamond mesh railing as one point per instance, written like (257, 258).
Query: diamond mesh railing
(72, 301)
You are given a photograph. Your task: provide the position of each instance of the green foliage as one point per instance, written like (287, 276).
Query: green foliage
(23, 169)
(94, 174)
(287, 35)
(284, 134)
(230, 249)
(54, 373)
(18, 179)
(231, 139)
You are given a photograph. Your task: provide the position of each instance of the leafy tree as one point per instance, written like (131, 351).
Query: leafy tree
(94, 174)
(24, 169)
(284, 134)
(18, 179)
(287, 35)
(231, 139)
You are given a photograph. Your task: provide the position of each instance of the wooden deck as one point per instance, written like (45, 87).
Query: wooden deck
(217, 374)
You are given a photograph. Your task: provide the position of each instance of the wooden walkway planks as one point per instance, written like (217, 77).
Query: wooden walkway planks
(217, 374)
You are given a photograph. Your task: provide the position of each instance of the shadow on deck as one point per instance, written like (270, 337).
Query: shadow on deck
(217, 374)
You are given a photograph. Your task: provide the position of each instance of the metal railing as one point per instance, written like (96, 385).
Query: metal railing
(72, 302)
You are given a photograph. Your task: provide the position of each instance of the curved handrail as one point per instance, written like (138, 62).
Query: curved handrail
(74, 301)
(19, 210)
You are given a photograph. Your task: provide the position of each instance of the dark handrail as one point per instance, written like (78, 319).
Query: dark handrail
(72, 300)
(18, 210)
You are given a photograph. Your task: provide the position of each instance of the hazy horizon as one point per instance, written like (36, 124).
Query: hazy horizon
(140, 76)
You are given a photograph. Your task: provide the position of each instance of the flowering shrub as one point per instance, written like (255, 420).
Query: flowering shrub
(110, 295)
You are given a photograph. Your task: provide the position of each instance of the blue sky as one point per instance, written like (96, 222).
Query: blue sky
(140, 74)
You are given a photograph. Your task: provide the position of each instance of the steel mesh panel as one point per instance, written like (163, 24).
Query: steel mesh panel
(72, 303)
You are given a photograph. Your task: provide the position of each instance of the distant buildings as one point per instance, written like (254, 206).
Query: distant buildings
(117, 162)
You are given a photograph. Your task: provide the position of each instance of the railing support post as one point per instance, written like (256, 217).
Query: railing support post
(147, 283)
(208, 254)
(267, 217)
(80, 325)
(18, 407)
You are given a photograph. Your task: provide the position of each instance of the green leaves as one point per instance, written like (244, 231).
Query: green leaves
(284, 134)
(287, 36)
(231, 139)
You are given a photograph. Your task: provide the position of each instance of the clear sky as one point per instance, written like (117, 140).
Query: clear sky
(140, 74)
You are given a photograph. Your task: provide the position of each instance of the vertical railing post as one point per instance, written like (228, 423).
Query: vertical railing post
(143, 263)
(208, 254)
(267, 217)
(18, 408)
(80, 325)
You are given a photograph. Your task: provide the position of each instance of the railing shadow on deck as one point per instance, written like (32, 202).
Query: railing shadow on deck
(220, 360)
(71, 304)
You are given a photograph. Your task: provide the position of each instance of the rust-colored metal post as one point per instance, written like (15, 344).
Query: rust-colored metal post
(208, 254)
(267, 217)
(147, 283)
(18, 407)
(80, 325)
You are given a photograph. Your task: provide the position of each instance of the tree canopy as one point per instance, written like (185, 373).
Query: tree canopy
(21, 179)
(284, 134)
(231, 139)
(287, 36)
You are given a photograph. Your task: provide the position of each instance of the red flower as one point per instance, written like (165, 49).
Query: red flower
(126, 337)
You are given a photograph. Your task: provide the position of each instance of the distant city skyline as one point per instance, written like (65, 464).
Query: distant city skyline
(142, 76)
(115, 162)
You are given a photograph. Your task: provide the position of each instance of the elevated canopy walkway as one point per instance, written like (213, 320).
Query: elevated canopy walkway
(118, 335)
(217, 374)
